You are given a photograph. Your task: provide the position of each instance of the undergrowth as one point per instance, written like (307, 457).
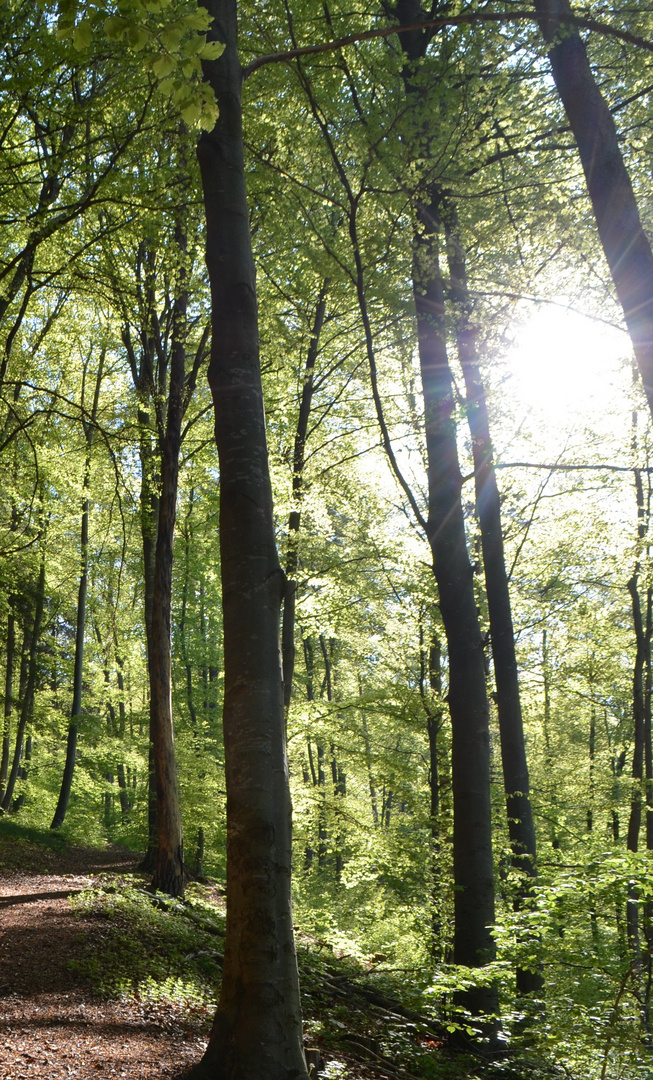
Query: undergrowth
(147, 949)
(366, 1022)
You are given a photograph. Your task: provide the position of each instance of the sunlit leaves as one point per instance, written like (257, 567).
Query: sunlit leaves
(171, 36)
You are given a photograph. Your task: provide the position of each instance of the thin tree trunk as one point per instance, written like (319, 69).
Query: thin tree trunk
(8, 702)
(468, 703)
(27, 701)
(257, 1030)
(488, 507)
(168, 874)
(294, 519)
(625, 244)
(80, 626)
(370, 775)
(23, 770)
(184, 609)
(430, 673)
(149, 528)
(639, 725)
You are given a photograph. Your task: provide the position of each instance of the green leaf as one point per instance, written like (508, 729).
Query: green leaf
(198, 20)
(162, 66)
(64, 30)
(82, 35)
(191, 67)
(137, 37)
(211, 50)
(115, 28)
(171, 38)
(191, 113)
(210, 114)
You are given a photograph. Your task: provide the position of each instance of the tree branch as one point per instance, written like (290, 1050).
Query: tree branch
(443, 20)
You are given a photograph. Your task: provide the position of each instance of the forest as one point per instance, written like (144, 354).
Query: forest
(326, 383)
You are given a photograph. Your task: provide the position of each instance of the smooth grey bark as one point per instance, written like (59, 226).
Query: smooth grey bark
(625, 244)
(257, 1029)
(80, 624)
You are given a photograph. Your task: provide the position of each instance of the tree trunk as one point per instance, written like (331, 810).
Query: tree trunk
(257, 1030)
(468, 703)
(516, 781)
(23, 771)
(625, 244)
(149, 530)
(186, 532)
(294, 518)
(640, 678)
(168, 874)
(30, 685)
(8, 702)
(370, 775)
(430, 674)
(80, 627)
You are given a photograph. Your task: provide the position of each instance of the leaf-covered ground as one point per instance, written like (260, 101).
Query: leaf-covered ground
(96, 979)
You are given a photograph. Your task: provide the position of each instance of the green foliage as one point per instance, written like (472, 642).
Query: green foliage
(169, 37)
(150, 953)
(96, 173)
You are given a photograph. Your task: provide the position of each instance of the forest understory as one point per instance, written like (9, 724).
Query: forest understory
(76, 947)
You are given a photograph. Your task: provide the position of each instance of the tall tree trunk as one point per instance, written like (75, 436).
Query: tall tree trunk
(370, 775)
(257, 1030)
(516, 781)
(8, 697)
(468, 703)
(168, 874)
(80, 625)
(150, 502)
(430, 675)
(23, 770)
(186, 532)
(294, 518)
(625, 244)
(27, 701)
(639, 725)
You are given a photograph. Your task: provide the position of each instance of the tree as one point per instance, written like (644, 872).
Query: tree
(80, 627)
(623, 238)
(257, 1028)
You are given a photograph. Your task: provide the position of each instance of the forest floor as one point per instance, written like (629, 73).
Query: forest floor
(52, 1023)
(97, 979)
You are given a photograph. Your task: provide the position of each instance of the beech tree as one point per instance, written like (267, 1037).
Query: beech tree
(397, 216)
(257, 1027)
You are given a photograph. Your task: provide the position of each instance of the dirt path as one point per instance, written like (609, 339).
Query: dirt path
(51, 1024)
